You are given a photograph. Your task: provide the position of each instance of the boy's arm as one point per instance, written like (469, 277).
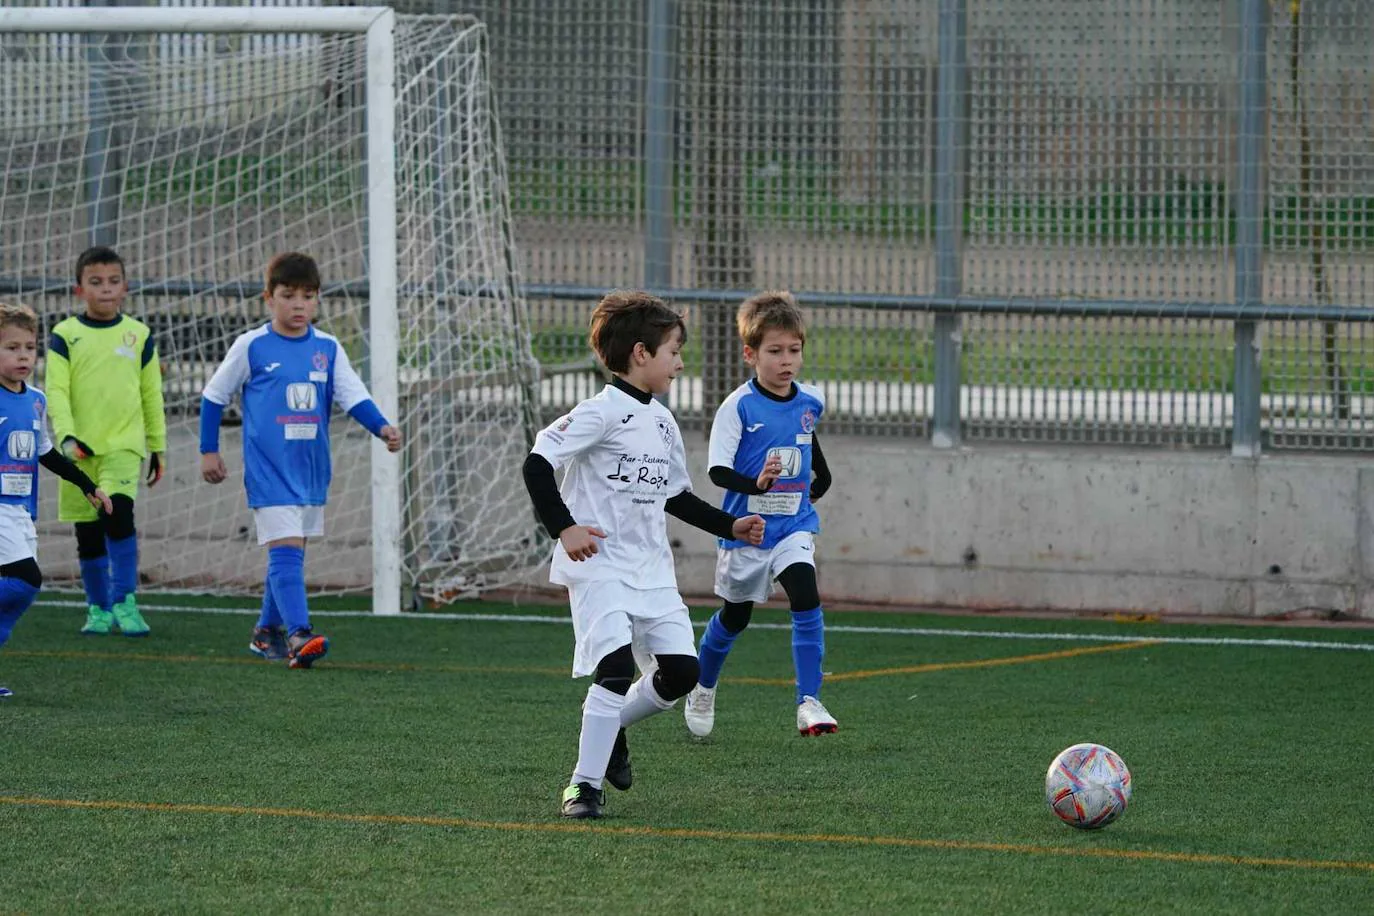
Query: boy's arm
(60, 465)
(726, 432)
(558, 443)
(543, 489)
(57, 385)
(150, 385)
(353, 397)
(822, 481)
(698, 513)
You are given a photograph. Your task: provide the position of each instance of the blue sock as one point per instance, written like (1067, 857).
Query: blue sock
(95, 578)
(15, 597)
(123, 567)
(286, 574)
(808, 651)
(715, 645)
(270, 616)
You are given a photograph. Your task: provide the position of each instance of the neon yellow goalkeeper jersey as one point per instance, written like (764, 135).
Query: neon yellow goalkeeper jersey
(104, 385)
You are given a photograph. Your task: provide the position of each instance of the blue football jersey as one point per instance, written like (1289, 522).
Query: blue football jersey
(287, 387)
(23, 439)
(750, 426)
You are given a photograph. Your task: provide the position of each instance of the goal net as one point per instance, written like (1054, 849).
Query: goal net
(199, 147)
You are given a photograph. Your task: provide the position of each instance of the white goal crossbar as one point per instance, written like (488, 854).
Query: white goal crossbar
(383, 325)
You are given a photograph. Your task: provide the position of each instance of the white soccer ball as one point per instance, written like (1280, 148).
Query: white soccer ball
(1088, 786)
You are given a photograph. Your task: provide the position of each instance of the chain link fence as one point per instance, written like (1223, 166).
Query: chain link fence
(1126, 222)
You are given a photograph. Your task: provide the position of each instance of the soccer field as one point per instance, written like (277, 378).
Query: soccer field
(418, 769)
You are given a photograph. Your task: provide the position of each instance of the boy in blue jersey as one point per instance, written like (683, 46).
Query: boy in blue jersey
(763, 452)
(288, 375)
(24, 445)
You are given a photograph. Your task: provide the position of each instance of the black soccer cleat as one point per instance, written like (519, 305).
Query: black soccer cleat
(583, 801)
(618, 771)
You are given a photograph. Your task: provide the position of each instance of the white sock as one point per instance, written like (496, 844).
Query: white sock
(642, 702)
(600, 724)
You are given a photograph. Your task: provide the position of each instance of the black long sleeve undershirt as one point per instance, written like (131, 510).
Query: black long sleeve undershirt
(543, 489)
(554, 515)
(730, 479)
(822, 470)
(57, 462)
(698, 513)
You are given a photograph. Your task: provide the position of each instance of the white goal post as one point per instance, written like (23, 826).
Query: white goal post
(400, 551)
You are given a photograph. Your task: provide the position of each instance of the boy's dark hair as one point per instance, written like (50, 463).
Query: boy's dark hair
(18, 315)
(291, 268)
(100, 254)
(626, 317)
(771, 310)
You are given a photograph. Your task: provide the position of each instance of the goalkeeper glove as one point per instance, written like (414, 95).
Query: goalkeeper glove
(75, 449)
(155, 468)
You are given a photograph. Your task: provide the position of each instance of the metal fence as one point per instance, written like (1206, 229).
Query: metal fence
(1126, 221)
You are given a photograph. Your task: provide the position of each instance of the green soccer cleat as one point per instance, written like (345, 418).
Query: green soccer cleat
(128, 619)
(98, 622)
(583, 801)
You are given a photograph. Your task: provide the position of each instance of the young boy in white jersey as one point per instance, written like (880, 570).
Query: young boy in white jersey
(24, 445)
(288, 375)
(763, 451)
(626, 466)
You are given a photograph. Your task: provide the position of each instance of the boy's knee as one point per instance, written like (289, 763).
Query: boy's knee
(735, 616)
(616, 671)
(676, 675)
(119, 524)
(90, 540)
(799, 581)
(25, 570)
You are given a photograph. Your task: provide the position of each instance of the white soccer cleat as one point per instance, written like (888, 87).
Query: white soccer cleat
(700, 710)
(814, 719)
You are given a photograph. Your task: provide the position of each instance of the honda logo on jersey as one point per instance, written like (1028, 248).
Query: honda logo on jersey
(791, 459)
(20, 445)
(300, 396)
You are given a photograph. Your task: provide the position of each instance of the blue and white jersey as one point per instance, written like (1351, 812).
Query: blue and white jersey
(287, 386)
(752, 425)
(23, 440)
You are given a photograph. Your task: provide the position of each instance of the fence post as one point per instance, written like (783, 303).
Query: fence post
(102, 184)
(951, 140)
(658, 146)
(1249, 202)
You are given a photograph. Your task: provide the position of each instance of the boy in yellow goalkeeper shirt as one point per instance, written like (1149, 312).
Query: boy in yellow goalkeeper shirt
(104, 388)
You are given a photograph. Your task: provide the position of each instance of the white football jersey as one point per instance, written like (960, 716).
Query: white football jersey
(624, 460)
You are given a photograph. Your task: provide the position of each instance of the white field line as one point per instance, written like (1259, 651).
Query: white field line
(829, 627)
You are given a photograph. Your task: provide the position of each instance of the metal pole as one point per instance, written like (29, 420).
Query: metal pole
(951, 139)
(658, 144)
(102, 188)
(383, 322)
(1249, 203)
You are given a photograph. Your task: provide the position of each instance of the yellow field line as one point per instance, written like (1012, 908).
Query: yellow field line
(496, 669)
(954, 666)
(742, 836)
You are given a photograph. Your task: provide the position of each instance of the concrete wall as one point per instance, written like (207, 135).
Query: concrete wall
(999, 527)
(983, 527)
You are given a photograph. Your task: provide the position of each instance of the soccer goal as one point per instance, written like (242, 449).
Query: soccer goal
(199, 142)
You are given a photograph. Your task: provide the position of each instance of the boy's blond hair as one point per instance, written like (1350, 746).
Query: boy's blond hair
(771, 310)
(626, 317)
(18, 315)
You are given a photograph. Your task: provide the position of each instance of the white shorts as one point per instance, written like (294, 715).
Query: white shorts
(748, 573)
(610, 614)
(18, 539)
(277, 522)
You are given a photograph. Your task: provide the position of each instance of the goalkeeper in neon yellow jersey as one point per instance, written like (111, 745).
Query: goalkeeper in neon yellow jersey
(104, 388)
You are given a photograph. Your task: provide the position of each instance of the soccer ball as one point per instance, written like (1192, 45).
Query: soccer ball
(1088, 786)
